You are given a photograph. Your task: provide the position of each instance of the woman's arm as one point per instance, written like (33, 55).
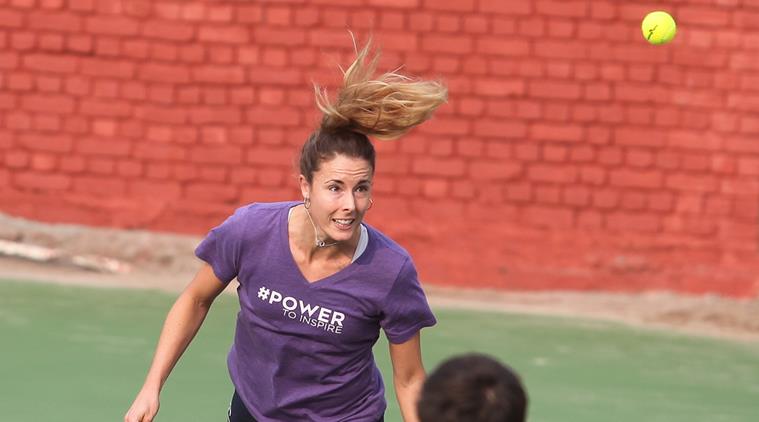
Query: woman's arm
(181, 325)
(408, 375)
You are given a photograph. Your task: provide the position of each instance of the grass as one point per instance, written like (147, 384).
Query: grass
(80, 354)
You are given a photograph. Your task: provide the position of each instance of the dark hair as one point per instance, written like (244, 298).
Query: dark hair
(383, 107)
(324, 145)
(473, 388)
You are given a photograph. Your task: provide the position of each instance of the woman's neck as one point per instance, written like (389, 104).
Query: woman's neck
(301, 232)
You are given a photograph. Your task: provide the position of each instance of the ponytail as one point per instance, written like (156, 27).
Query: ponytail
(385, 107)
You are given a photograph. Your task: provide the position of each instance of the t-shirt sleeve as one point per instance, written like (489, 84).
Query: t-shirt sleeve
(221, 248)
(405, 310)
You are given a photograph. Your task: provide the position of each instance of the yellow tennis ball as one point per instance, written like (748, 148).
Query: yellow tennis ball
(658, 27)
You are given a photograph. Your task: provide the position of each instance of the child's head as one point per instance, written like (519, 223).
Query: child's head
(473, 388)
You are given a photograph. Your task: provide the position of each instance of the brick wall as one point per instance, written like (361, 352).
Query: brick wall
(571, 153)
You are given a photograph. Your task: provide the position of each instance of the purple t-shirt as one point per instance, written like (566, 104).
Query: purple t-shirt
(303, 351)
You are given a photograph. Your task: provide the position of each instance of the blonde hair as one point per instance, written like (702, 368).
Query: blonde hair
(383, 108)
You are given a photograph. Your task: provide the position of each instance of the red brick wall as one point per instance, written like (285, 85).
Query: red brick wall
(571, 154)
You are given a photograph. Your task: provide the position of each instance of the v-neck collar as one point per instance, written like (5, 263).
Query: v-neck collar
(347, 270)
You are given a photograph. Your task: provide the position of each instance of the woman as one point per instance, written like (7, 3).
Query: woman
(316, 285)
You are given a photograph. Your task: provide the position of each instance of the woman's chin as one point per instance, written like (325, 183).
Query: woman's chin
(341, 236)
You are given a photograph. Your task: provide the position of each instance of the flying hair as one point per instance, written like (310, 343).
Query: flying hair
(384, 107)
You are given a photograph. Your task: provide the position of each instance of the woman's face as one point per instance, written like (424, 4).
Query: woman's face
(340, 194)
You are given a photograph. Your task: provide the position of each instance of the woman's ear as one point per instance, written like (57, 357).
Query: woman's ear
(305, 187)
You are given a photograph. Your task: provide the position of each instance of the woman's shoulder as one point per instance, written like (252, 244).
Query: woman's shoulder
(263, 209)
(386, 245)
(256, 218)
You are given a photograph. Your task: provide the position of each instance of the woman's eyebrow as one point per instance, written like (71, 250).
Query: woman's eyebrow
(339, 182)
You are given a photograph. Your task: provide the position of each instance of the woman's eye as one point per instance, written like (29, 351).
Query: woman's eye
(334, 188)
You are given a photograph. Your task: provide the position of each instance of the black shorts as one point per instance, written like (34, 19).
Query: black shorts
(238, 413)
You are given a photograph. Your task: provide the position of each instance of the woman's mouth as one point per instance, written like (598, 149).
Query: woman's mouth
(344, 223)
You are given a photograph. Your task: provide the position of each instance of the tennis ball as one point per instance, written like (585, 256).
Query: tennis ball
(658, 27)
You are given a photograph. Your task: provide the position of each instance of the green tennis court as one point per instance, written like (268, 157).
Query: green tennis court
(80, 354)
